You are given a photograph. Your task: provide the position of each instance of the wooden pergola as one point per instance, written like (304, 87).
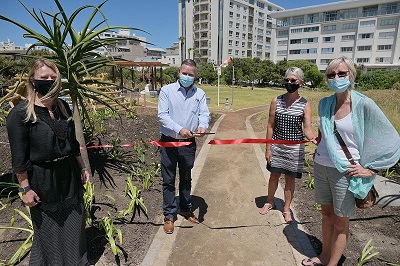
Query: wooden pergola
(152, 65)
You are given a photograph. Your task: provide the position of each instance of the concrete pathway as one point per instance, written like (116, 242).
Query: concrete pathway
(229, 186)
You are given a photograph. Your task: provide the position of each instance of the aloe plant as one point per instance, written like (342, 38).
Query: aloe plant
(27, 244)
(366, 254)
(73, 53)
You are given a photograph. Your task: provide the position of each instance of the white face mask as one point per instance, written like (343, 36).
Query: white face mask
(339, 85)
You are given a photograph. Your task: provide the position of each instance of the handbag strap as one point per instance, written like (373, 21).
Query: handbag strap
(343, 145)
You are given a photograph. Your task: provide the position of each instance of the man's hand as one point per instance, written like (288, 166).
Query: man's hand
(359, 171)
(186, 133)
(199, 132)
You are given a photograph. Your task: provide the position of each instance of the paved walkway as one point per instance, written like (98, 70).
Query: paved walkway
(229, 185)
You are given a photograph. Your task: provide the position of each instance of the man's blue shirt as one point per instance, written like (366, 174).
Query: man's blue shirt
(178, 109)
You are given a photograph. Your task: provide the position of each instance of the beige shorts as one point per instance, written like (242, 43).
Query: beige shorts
(331, 188)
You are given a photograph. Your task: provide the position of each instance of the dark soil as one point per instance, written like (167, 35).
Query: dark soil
(379, 224)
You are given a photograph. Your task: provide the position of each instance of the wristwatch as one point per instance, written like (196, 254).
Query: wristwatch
(24, 189)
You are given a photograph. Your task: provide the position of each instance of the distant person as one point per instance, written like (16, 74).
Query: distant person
(183, 115)
(51, 173)
(288, 114)
(373, 144)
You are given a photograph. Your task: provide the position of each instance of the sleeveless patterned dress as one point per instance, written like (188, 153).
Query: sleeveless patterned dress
(288, 159)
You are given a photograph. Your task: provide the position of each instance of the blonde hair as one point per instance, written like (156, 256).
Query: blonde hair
(295, 71)
(350, 65)
(52, 94)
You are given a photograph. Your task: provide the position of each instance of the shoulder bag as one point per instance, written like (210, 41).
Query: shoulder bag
(370, 199)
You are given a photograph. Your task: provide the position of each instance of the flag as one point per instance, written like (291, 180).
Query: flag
(226, 62)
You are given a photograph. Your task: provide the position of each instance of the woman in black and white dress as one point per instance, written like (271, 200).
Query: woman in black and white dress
(288, 115)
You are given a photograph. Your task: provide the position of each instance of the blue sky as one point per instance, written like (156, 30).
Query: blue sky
(158, 17)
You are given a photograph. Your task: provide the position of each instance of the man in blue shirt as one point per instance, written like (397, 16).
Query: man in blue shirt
(183, 115)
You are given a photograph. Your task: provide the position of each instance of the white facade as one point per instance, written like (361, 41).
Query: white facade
(365, 30)
(213, 30)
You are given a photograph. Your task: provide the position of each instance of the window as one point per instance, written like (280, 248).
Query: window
(384, 47)
(366, 36)
(244, 27)
(308, 51)
(370, 11)
(349, 26)
(281, 52)
(236, 52)
(285, 42)
(367, 23)
(348, 13)
(294, 51)
(329, 27)
(299, 30)
(390, 8)
(325, 61)
(237, 16)
(382, 60)
(298, 20)
(348, 37)
(243, 44)
(295, 41)
(230, 4)
(328, 39)
(230, 33)
(389, 21)
(310, 40)
(363, 60)
(310, 29)
(243, 35)
(230, 14)
(261, 15)
(237, 25)
(346, 49)
(313, 18)
(237, 43)
(243, 53)
(237, 34)
(327, 50)
(229, 51)
(230, 42)
(230, 24)
(283, 32)
(364, 48)
(260, 5)
(244, 18)
(330, 16)
(386, 35)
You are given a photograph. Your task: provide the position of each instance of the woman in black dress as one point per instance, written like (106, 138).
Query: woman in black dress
(46, 159)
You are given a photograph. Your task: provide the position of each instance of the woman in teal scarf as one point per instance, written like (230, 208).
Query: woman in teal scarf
(365, 131)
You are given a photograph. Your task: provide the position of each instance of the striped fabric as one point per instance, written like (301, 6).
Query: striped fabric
(59, 238)
(288, 159)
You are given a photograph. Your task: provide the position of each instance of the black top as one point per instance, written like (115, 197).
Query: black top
(47, 150)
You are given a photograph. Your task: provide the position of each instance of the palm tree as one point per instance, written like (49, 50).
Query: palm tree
(182, 43)
(77, 59)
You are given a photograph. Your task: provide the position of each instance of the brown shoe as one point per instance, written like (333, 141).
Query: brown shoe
(169, 225)
(189, 215)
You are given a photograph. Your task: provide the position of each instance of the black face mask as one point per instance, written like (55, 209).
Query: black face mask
(292, 87)
(43, 86)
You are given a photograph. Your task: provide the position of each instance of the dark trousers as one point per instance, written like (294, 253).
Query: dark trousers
(183, 157)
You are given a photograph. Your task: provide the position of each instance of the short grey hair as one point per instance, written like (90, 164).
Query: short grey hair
(295, 71)
(349, 63)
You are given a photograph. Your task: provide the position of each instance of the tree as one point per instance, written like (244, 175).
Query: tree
(73, 53)
(207, 72)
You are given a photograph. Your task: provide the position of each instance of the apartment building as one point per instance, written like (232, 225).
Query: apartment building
(213, 30)
(365, 30)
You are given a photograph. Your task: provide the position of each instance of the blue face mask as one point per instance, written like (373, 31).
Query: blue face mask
(339, 85)
(185, 80)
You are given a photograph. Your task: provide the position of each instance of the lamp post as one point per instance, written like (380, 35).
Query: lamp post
(233, 77)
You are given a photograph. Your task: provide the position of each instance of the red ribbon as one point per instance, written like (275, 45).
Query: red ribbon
(156, 143)
(256, 141)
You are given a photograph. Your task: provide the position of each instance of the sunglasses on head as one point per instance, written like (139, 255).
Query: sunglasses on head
(340, 74)
(290, 80)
